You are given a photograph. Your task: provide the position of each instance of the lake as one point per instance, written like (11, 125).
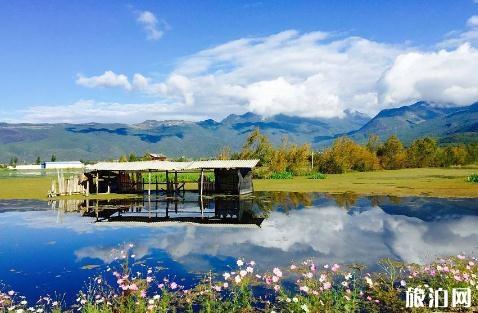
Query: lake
(47, 247)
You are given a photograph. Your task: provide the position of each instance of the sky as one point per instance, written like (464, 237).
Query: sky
(130, 61)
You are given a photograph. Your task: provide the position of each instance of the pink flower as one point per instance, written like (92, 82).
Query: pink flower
(149, 279)
(313, 267)
(327, 285)
(276, 288)
(461, 257)
(217, 288)
(277, 272)
(275, 279)
(133, 287)
(11, 293)
(143, 294)
(173, 285)
(293, 267)
(335, 267)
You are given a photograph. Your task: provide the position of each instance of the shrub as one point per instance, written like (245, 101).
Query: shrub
(281, 175)
(473, 178)
(317, 175)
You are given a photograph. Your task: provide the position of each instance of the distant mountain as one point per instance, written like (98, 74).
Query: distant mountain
(96, 141)
(445, 123)
(100, 141)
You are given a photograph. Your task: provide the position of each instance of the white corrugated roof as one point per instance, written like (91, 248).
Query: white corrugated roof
(170, 166)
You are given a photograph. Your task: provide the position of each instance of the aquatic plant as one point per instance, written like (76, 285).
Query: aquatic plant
(302, 287)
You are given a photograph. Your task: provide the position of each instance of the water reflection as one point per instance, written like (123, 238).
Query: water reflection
(41, 241)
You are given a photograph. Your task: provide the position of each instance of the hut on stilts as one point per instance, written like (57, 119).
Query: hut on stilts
(230, 177)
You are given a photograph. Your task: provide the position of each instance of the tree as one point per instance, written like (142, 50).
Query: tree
(453, 155)
(13, 161)
(224, 153)
(422, 153)
(38, 160)
(53, 158)
(392, 154)
(123, 158)
(373, 143)
(346, 155)
(257, 146)
(132, 157)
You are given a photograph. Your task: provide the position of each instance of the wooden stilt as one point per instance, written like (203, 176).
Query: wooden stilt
(97, 181)
(202, 183)
(149, 183)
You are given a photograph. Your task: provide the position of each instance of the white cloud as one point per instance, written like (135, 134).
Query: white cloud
(446, 77)
(312, 74)
(150, 24)
(107, 79)
(85, 111)
(472, 21)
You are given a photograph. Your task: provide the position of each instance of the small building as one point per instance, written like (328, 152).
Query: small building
(62, 165)
(158, 157)
(26, 167)
(233, 177)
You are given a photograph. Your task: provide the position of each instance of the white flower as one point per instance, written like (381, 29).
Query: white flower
(249, 269)
(243, 273)
(403, 283)
(277, 272)
(237, 279)
(226, 276)
(295, 299)
(240, 262)
(304, 307)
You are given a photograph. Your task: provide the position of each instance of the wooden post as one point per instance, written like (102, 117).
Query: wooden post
(149, 183)
(88, 188)
(156, 185)
(167, 183)
(97, 183)
(202, 182)
(176, 182)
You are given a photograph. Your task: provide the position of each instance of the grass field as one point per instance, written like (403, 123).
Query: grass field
(433, 182)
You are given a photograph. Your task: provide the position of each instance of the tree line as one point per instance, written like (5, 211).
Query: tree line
(345, 155)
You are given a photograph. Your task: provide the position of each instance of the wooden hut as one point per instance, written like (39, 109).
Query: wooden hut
(230, 176)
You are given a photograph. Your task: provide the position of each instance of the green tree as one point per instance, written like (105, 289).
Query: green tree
(374, 143)
(38, 160)
(123, 158)
(53, 158)
(422, 153)
(453, 155)
(257, 146)
(13, 161)
(392, 154)
(132, 157)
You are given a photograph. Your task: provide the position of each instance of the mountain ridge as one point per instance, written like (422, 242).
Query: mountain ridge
(98, 141)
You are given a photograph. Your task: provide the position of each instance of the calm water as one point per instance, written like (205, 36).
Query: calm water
(47, 247)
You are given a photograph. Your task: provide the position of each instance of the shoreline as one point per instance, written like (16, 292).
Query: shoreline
(423, 182)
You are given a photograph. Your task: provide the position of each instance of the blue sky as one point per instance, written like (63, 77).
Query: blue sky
(48, 46)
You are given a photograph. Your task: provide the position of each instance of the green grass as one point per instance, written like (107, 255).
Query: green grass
(432, 182)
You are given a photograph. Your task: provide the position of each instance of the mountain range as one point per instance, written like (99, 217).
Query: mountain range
(98, 141)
